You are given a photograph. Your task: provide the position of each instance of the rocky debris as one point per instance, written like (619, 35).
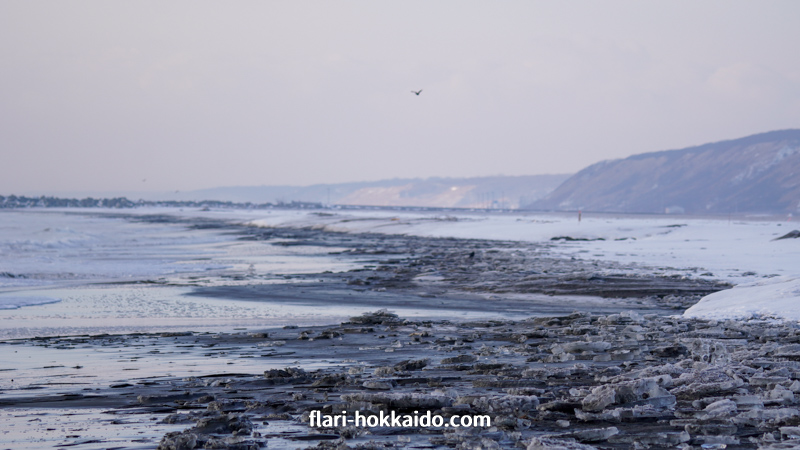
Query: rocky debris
(647, 440)
(590, 435)
(628, 393)
(288, 375)
(682, 382)
(211, 433)
(545, 382)
(396, 401)
(520, 404)
(428, 265)
(223, 424)
(767, 418)
(791, 351)
(188, 441)
(380, 317)
(719, 410)
(329, 381)
(547, 443)
(459, 359)
(703, 383)
(410, 365)
(378, 385)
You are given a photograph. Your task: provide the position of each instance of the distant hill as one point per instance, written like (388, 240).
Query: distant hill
(755, 174)
(480, 192)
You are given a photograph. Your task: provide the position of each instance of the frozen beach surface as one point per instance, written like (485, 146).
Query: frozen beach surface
(736, 250)
(775, 297)
(565, 333)
(78, 247)
(745, 252)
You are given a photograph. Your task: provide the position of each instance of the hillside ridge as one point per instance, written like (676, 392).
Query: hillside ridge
(759, 173)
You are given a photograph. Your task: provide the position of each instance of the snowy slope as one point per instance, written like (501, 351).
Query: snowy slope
(775, 297)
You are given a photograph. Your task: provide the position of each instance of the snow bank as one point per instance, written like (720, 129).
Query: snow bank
(777, 297)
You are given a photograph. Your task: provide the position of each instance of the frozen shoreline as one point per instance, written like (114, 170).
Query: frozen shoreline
(728, 249)
(535, 375)
(583, 381)
(739, 251)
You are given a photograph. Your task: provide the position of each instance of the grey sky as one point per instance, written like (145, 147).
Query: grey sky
(190, 94)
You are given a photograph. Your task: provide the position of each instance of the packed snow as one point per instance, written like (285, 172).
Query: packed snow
(771, 298)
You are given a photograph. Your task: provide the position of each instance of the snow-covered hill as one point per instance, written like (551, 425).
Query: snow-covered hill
(755, 174)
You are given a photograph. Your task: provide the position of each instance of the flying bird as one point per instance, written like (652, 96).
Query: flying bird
(416, 92)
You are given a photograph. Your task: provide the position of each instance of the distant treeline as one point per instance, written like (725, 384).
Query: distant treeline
(13, 201)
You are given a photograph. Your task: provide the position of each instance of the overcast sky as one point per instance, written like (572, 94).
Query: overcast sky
(179, 95)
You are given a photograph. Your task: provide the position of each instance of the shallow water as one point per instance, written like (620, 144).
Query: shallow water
(66, 273)
(78, 428)
(155, 309)
(90, 272)
(45, 248)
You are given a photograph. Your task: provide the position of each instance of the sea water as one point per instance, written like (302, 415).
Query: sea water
(65, 272)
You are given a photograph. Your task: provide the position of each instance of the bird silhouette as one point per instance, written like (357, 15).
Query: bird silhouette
(416, 92)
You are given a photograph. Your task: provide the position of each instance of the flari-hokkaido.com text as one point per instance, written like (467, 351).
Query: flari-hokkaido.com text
(392, 419)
